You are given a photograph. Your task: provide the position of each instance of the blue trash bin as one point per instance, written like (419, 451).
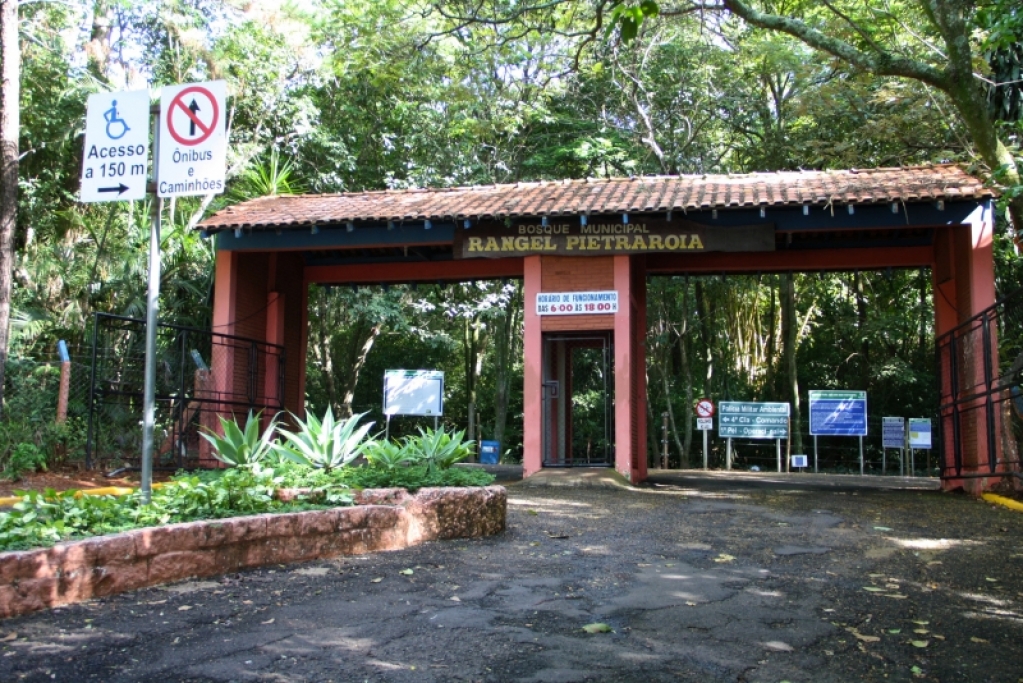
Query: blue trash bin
(490, 452)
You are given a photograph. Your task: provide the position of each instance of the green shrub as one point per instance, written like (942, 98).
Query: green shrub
(439, 449)
(387, 455)
(24, 458)
(242, 447)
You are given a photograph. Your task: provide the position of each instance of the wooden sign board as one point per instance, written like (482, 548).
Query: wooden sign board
(646, 236)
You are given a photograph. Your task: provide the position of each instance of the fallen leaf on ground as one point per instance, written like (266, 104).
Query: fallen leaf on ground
(268, 621)
(597, 628)
(724, 557)
(895, 631)
(975, 639)
(919, 643)
(312, 571)
(184, 608)
(882, 528)
(778, 646)
(406, 572)
(455, 598)
(377, 579)
(873, 589)
(863, 637)
(13, 635)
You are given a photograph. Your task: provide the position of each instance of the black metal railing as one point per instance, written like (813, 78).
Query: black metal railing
(200, 375)
(980, 373)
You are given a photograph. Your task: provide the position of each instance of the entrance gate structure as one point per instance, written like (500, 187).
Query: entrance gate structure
(605, 235)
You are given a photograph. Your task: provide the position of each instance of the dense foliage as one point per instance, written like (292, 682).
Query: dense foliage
(338, 95)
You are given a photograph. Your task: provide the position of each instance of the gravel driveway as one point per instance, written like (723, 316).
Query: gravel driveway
(695, 580)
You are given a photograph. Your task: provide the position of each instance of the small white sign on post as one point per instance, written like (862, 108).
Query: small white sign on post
(799, 461)
(414, 392)
(704, 423)
(115, 161)
(919, 433)
(576, 303)
(192, 158)
(893, 432)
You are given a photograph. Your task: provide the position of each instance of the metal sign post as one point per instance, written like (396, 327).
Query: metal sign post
(152, 320)
(116, 156)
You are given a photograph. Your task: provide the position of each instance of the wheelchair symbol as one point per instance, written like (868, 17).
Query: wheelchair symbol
(116, 127)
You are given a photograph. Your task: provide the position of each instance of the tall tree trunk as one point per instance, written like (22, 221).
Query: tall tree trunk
(922, 340)
(790, 335)
(10, 125)
(702, 313)
(687, 376)
(473, 342)
(321, 329)
(507, 332)
(359, 348)
(861, 329)
(772, 339)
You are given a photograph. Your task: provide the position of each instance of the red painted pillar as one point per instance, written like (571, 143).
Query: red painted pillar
(639, 467)
(532, 370)
(630, 360)
(963, 278)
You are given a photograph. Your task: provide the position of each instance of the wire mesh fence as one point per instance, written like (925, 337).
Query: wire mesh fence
(45, 413)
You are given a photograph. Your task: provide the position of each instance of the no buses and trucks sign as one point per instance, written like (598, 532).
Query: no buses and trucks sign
(193, 139)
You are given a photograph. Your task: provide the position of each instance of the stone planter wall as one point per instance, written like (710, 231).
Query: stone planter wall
(384, 519)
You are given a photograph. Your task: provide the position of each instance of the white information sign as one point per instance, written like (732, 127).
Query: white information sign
(193, 139)
(115, 161)
(893, 432)
(704, 423)
(576, 303)
(413, 392)
(919, 433)
(799, 461)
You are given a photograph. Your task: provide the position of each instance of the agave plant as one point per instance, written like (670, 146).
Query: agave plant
(387, 455)
(242, 447)
(437, 448)
(324, 444)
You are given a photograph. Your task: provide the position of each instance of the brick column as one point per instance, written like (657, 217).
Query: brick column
(532, 371)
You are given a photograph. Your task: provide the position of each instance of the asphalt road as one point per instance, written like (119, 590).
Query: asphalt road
(695, 579)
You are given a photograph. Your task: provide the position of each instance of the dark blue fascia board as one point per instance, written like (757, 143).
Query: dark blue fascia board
(337, 237)
(786, 219)
(865, 216)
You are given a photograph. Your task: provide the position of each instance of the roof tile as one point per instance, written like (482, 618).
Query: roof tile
(611, 195)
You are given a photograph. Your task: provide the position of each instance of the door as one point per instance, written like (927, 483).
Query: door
(578, 402)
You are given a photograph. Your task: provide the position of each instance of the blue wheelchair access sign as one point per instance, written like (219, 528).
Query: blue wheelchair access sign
(838, 413)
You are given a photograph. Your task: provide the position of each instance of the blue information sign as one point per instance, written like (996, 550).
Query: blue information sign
(838, 413)
(749, 420)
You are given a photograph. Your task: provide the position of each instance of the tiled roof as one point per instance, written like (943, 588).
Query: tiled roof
(613, 195)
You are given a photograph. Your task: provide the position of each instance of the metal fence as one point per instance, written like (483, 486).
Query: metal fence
(980, 381)
(200, 375)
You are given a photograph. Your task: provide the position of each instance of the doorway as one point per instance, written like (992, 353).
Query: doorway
(578, 399)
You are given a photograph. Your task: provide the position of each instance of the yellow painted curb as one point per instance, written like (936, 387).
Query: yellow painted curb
(102, 491)
(1001, 500)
